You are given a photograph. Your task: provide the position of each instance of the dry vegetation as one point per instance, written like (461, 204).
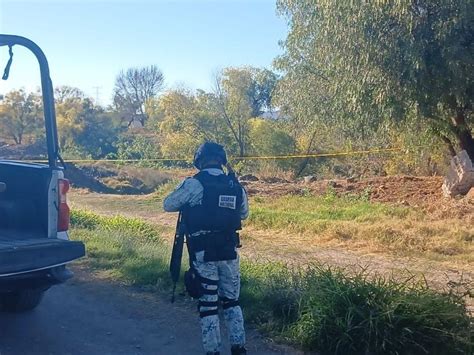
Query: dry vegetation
(395, 238)
(317, 307)
(391, 225)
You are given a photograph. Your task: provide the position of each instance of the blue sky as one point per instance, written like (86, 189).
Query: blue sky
(88, 42)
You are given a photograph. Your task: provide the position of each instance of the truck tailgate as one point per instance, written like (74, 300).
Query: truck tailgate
(25, 255)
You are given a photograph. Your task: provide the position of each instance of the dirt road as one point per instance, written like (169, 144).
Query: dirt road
(92, 315)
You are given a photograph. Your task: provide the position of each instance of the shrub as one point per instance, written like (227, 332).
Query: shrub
(340, 313)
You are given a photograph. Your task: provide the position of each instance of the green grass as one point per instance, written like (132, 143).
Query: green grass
(313, 213)
(355, 223)
(128, 248)
(164, 190)
(317, 308)
(325, 309)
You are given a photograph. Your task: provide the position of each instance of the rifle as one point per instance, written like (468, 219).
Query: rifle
(231, 172)
(177, 253)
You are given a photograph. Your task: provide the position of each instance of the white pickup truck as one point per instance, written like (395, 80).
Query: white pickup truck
(34, 215)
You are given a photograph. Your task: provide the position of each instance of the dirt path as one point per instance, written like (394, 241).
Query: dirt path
(92, 315)
(262, 244)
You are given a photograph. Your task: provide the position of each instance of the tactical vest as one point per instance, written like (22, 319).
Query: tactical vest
(218, 214)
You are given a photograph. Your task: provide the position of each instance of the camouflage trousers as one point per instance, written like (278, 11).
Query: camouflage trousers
(220, 280)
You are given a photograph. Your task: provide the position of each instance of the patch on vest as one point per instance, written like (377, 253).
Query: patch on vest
(226, 201)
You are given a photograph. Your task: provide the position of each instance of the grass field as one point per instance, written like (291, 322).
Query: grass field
(316, 307)
(356, 224)
(309, 222)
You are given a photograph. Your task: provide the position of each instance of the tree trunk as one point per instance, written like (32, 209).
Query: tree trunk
(449, 144)
(463, 133)
(241, 149)
(308, 150)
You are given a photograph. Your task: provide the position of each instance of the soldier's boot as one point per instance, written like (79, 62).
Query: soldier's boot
(238, 350)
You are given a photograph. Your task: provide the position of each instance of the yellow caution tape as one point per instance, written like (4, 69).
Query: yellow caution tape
(320, 155)
(274, 157)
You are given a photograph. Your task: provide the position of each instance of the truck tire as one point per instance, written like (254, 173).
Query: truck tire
(21, 301)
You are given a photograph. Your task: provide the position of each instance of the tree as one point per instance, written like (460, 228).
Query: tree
(185, 119)
(64, 92)
(70, 116)
(267, 138)
(83, 127)
(243, 93)
(372, 61)
(134, 88)
(20, 114)
(100, 131)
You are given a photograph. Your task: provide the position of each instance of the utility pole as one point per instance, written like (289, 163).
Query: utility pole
(97, 94)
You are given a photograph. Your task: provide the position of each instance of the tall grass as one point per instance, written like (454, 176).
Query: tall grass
(335, 312)
(317, 308)
(128, 248)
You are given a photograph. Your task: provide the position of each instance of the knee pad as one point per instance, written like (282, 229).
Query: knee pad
(229, 303)
(208, 308)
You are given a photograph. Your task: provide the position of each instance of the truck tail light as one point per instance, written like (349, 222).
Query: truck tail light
(63, 218)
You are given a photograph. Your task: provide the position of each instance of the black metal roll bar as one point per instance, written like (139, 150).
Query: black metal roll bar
(46, 89)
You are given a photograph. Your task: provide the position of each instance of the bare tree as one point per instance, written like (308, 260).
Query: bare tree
(64, 92)
(133, 88)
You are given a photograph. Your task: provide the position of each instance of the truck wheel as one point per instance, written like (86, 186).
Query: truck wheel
(21, 301)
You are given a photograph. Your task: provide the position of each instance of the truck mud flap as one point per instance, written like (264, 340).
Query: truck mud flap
(20, 256)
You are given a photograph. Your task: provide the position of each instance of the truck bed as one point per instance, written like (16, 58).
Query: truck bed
(23, 255)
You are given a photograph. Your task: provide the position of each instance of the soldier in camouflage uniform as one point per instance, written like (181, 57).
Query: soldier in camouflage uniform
(213, 205)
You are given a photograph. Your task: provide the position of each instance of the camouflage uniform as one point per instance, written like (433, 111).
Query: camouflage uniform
(220, 279)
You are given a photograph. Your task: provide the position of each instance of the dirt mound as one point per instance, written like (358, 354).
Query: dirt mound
(248, 177)
(33, 151)
(114, 179)
(84, 180)
(424, 192)
(397, 189)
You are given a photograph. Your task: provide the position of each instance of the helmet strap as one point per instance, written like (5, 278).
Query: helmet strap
(212, 166)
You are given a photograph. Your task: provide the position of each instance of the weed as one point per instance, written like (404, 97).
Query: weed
(323, 308)
(317, 307)
(164, 190)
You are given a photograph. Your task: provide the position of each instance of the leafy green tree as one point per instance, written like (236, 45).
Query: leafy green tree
(20, 115)
(101, 130)
(137, 146)
(267, 138)
(243, 93)
(70, 117)
(190, 118)
(355, 65)
(84, 128)
(133, 89)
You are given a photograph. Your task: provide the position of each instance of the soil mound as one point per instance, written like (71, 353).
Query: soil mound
(423, 192)
(112, 179)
